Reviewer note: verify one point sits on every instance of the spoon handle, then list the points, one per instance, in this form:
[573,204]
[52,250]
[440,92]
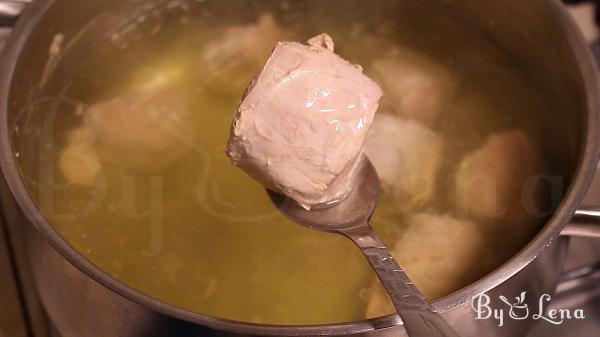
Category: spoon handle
[420,320]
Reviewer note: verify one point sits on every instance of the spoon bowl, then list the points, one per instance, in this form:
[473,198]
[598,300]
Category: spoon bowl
[355,209]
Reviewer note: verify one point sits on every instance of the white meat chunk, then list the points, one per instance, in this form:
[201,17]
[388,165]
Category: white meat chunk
[492,181]
[414,85]
[145,129]
[234,58]
[407,156]
[78,162]
[302,123]
[441,254]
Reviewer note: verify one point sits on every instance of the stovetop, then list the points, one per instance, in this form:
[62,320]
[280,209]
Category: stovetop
[579,287]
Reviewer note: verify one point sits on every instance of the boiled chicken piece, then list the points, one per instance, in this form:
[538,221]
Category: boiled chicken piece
[415,86]
[145,129]
[407,156]
[440,254]
[302,123]
[499,185]
[78,161]
[492,181]
[237,55]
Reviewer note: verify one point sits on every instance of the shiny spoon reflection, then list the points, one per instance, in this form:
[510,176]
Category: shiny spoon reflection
[350,218]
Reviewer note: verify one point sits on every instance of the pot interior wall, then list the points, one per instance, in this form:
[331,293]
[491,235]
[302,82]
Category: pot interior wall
[525,31]
[538,43]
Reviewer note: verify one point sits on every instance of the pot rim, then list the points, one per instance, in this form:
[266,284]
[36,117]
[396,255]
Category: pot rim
[574,196]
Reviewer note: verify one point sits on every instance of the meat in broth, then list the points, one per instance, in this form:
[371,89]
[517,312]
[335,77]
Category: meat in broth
[141,185]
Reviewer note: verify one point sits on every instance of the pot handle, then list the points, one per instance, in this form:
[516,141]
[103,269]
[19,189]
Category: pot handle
[10,10]
[585,223]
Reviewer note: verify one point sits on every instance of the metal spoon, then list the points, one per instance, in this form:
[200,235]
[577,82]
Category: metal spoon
[351,218]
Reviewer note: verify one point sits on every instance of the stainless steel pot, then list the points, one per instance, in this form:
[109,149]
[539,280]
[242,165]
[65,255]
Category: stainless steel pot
[82,300]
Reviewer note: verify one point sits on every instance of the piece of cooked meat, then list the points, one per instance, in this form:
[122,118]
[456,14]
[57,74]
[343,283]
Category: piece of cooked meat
[232,59]
[78,162]
[302,123]
[415,86]
[441,254]
[407,156]
[490,181]
[499,185]
[144,130]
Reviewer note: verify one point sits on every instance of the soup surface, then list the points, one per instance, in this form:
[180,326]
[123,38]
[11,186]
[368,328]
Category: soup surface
[135,176]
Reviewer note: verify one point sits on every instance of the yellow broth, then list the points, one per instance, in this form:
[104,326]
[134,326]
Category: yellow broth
[203,236]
